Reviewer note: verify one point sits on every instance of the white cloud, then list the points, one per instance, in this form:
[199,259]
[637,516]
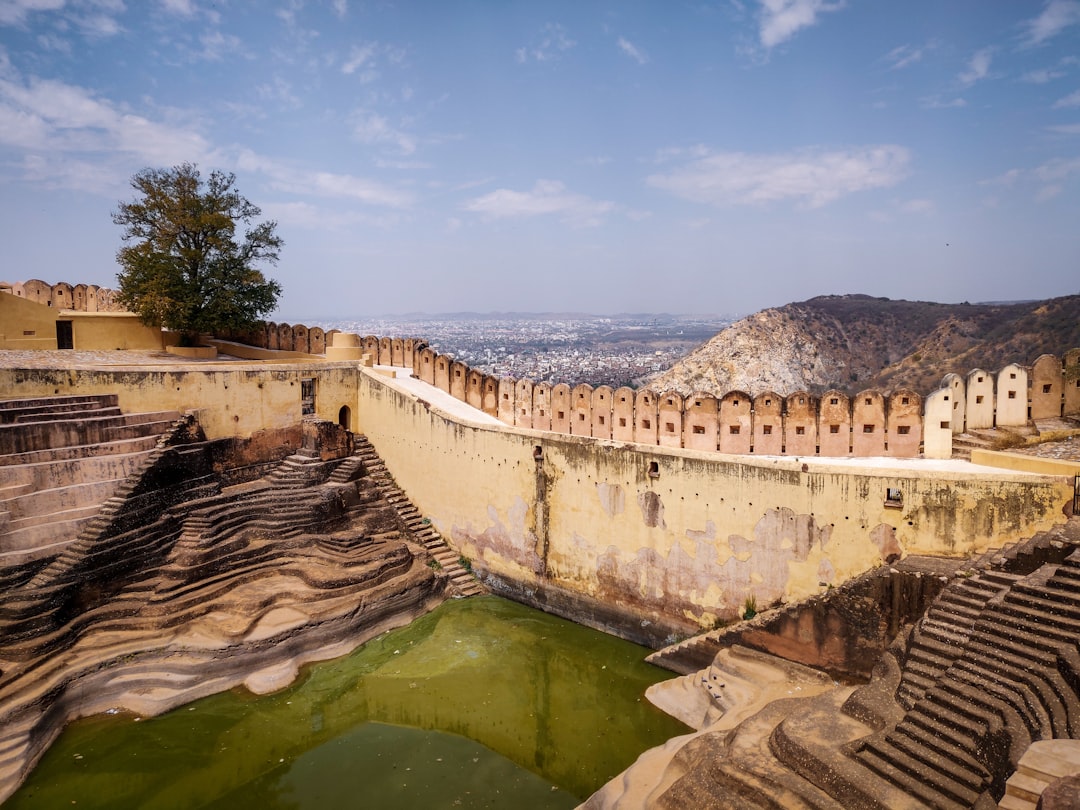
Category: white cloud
[361,56]
[938,103]
[634,52]
[341,7]
[546,197]
[1066,129]
[318,218]
[15,12]
[1055,18]
[1041,76]
[217,46]
[780,20]
[813,177]
[978,68]
[919,206]
[323,184]
[553,43]
[181,8]
[903,56]
[1071,100]
[372,128]
[70,120]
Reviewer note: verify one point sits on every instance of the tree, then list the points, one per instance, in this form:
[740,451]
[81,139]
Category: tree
[183,268]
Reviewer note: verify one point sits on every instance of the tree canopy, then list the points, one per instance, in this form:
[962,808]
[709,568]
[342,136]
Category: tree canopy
[183,266]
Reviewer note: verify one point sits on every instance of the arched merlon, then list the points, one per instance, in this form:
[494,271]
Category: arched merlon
[679,537]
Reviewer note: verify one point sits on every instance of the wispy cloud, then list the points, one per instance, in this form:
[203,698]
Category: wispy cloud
[919,206]
[633,51]
[1042,76]
[978,67]
[324,184]
[904,56]
[372,128]
[68,123]
[939,103]
[15,12]
[1055,18]
[811,177]
[552,43]
[362,58]
[181,8]
[1065,129]
[780,20]
[547,197]
[1071,100]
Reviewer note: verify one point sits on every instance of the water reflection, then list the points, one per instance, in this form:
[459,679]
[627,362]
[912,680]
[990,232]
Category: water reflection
[480,701]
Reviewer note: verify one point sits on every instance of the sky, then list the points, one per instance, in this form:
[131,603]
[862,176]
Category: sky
[604,156]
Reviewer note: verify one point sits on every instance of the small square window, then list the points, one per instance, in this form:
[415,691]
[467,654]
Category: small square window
[978,379]
[800,431]
[622,422]
[867,428]
[581,417]
[766,430]
[834,428]
[670,426]
[733,430]
[903,430]
[646,424]
[903,400]
[1012,375]
[1012,395]
[699,429]
[768,402]
[945,425]
[868,400]
[562,415]
[601,420]
[834,401]
[978,399]
[541,412]
[1046,388]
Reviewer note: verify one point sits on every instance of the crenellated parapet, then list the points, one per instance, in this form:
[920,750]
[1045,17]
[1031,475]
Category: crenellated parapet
[76,298]
[871,423]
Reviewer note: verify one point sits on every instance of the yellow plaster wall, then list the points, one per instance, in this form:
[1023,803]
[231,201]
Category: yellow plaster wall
[1020,461]
[18,316]
[698,538]
[94,331]
[233,399]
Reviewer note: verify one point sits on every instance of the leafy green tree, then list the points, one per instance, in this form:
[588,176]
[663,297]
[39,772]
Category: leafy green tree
[183,265]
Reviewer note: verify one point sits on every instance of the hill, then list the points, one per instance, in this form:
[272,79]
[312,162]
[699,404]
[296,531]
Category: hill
[853,342]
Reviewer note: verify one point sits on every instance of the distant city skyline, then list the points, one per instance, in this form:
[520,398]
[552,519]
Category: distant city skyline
[608,157]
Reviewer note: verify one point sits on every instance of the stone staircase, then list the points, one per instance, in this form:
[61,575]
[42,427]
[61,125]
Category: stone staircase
[60,459]
[992,669]
[419,527]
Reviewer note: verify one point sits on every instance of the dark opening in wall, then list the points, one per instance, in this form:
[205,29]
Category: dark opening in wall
[562,415]
[834,428]
[699,429]
[1046,389]
[945,425]
[903,400]
[733,430]
[1012,395]
[766,430]
[894,498]
[538,453]
[903,430]
[867,428]
[646,424]
[800,430]
[834,401]
[654,469]
[670,426]
[622,422]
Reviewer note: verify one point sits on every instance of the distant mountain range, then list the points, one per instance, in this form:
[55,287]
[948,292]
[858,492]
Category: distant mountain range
[853,342]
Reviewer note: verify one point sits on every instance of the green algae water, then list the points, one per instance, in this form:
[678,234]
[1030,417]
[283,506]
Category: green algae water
[483,703]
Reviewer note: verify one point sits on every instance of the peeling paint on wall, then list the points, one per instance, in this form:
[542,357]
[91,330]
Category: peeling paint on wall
[652,509]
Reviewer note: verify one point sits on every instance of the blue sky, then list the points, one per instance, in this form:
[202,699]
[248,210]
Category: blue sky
[709,157]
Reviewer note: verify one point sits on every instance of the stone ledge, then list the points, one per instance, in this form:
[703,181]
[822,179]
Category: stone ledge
[195,352]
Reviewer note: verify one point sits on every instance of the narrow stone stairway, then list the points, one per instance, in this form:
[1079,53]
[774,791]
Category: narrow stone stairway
[462,580]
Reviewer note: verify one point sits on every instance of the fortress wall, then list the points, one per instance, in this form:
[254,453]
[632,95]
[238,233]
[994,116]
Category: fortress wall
[237,400]
[1071,380]
[672,539]
[77,298]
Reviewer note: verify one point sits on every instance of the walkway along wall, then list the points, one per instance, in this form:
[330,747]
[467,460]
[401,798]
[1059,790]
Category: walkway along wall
[649,542]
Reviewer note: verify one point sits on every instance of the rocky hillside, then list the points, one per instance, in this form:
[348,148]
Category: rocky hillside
[852,342]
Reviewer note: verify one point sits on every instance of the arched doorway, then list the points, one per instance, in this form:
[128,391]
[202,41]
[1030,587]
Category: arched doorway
[344,417]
